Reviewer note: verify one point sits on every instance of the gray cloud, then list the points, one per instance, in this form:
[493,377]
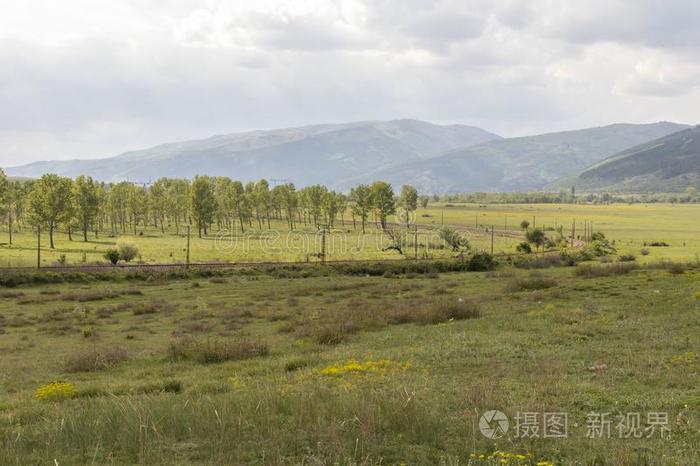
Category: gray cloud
[77,80]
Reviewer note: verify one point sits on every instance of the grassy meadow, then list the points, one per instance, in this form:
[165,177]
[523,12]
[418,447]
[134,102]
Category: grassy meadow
[308,366]
[630,226]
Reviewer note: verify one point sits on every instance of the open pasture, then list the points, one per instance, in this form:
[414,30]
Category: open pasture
[630,226]
[312,367]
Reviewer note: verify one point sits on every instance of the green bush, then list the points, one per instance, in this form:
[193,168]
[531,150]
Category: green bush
[112,255]
[524,248]
[127,250]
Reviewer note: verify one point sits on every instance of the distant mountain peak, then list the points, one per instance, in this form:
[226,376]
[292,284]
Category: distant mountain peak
[320,153]
[669,163]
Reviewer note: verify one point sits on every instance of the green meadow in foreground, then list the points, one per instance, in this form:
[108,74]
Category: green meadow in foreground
[634,228]
[310,366]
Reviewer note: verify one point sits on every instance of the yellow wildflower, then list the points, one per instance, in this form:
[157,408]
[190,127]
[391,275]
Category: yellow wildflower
[56,391]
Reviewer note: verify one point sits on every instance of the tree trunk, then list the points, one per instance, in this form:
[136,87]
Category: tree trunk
[85,229]
[70,233]
[51,235]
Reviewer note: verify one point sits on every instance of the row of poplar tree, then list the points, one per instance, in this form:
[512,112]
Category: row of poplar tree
[90,207]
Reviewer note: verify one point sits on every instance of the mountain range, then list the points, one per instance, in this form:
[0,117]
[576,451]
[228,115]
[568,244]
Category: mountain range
[670,163]
[307,155]
[434,158]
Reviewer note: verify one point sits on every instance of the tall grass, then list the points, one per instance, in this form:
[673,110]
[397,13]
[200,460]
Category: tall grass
[266,425]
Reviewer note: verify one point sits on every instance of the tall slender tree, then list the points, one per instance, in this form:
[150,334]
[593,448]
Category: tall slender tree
[202,203]
[408,200]
[361,197]
[86,203]
[383,201]
[50,203]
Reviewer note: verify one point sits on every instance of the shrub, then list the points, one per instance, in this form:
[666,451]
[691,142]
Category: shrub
[95,360]
[676,269]
[152,307]
[480,262]
[627,258]
[127,250]
[524,248]
[459,309]
[435,312]
[536,236]
[659,244]
[644,252]
[112,255]
[454,239]
[215,350]
[334,333]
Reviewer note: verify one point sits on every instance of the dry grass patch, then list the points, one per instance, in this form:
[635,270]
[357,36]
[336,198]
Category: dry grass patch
[154,306]
[595,271]
[215,350]
[95,359]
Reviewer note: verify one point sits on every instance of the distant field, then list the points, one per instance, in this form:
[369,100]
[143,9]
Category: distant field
[629,225]
[250,369]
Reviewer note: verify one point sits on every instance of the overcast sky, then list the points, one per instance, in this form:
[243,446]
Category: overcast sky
[93,78]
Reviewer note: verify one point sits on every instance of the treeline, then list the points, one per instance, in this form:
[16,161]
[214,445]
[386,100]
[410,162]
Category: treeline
[90,207]
[569,197]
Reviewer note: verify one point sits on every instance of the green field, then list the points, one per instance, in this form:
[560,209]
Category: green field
[629,225]
[335,369]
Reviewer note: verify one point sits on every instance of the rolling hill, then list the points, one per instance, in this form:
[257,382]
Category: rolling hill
[306,155]
[434,158]
[520,164]
[667,164]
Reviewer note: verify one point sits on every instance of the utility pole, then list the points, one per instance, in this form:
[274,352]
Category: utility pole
[188,248]
[533,221]
[415,242]
[38,247]
[323,245]
[492,240]
[573,233]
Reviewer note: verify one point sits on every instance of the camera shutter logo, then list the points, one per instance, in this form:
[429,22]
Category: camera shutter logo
[493,424]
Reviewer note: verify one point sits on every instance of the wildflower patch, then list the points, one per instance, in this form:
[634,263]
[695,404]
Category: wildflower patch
[368,367]
[56,391]
[505,458]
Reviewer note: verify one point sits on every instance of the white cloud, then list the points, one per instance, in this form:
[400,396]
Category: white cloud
[86,78]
